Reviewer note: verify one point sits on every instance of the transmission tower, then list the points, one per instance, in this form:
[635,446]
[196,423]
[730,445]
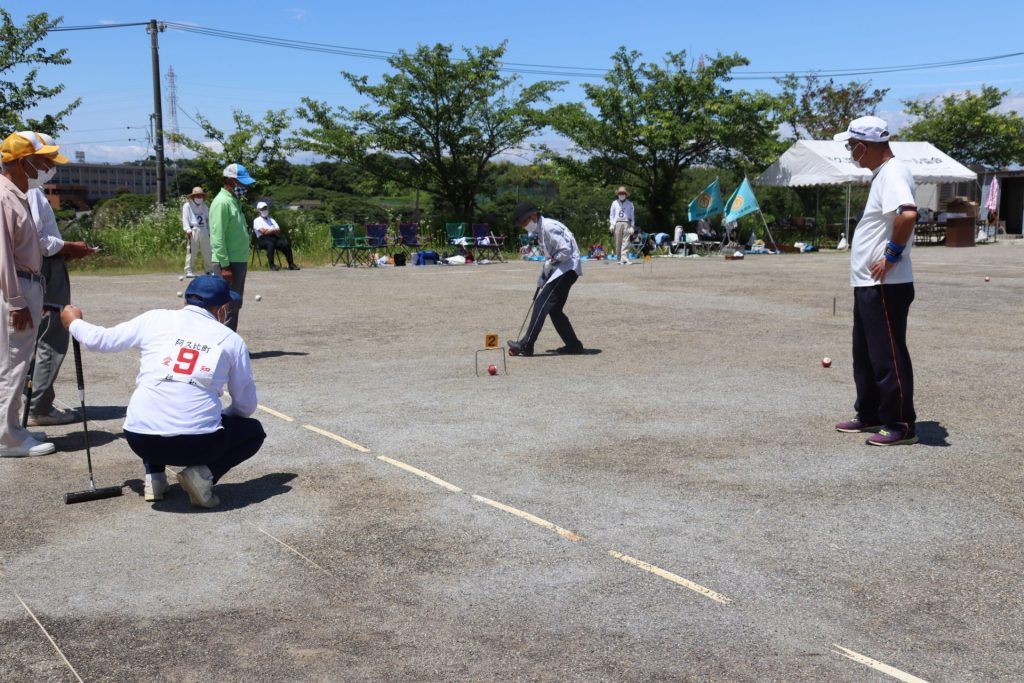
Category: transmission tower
[172,107]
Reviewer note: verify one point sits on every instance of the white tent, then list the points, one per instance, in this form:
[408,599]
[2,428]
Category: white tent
[827,162]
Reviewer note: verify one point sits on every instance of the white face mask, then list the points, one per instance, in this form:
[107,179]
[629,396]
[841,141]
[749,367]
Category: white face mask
[622,197]
[531,226]
[198,201]
[856,159]
[264,212]
[42,177]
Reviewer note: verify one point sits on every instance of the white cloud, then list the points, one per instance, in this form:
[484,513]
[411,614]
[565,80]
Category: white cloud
[297,13]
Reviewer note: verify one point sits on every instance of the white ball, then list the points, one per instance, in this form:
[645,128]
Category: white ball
[180,278]
[177,294]
[259,298]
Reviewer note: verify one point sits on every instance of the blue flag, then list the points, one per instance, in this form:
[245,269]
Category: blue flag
[741,202]
[708,203]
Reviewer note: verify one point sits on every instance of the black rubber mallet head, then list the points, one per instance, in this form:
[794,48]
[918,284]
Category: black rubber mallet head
[92,493]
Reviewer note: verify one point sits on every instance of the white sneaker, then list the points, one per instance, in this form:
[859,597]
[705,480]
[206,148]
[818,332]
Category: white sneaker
[198,488]
[155,487]
[56,416]
[28,447]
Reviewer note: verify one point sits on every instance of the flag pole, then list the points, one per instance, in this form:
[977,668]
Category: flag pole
[767,229]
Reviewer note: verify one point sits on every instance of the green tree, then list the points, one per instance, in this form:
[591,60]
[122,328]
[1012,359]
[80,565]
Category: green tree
[818,110]
[260,146]
[19,53]
[648,122]
[969,127]
[449,116]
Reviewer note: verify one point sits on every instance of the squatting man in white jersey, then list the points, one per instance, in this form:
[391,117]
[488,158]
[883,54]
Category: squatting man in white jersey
[187,358]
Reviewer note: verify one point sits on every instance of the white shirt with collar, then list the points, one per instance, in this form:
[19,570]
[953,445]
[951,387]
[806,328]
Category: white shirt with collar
[50,240]
[187,359]
[559,245]
[621,211]
[260,225]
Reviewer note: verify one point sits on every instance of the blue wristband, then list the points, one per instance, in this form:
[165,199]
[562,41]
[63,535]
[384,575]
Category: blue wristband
[898,248]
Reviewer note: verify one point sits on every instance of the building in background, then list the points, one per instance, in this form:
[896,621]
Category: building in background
[81,184]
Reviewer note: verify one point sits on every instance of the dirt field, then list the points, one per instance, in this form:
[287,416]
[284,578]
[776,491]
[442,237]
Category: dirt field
[672,507]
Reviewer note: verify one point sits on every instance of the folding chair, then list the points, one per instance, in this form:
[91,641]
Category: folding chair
[455,233]
[345,243]
[638,245]
[377,236]
[255,250]
[409,237]
[486,240]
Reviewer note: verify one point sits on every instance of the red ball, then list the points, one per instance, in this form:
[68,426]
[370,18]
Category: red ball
[826,362]
[492,369]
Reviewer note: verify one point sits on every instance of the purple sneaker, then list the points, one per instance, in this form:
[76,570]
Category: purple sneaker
[893,436]
[857,425]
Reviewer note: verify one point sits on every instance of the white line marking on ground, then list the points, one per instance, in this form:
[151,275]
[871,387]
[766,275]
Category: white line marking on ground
[674,578]
[339,439]
[420,473]
[564,533]
[49,637]
[877,665]
[275,413]
[267,533]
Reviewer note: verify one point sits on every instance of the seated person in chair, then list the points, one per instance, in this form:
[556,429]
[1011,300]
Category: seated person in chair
[268,234]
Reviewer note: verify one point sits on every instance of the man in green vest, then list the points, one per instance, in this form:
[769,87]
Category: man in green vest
[229,235]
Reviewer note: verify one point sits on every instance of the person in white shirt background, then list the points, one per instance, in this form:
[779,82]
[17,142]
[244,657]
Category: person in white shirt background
[195,221]
[268,234]
[187,358]
[52,339]
[620,224]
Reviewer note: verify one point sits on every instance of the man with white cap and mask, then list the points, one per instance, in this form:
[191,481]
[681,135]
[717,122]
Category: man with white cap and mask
[883,283]
[268,234]
[52,338]
[21,289]
[195,221]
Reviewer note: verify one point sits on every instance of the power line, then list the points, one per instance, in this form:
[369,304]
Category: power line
[585,73]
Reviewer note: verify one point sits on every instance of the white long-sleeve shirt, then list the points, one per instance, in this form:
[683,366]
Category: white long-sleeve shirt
[621,211]
[195,216]
[50,241]
[186,360]
[558,244]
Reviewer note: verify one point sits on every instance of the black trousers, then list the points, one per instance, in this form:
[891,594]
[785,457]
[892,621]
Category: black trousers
[271,242]
[239,440]
[549,303]
[881,362]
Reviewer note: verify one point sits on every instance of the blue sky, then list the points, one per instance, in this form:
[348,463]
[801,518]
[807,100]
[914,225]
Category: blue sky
[111,68]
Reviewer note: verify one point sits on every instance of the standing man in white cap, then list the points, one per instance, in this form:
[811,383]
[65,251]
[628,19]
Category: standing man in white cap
[52,338]
[195,221]
[268,234]
[883,283]
[620,224]
[229,235]
[21,289]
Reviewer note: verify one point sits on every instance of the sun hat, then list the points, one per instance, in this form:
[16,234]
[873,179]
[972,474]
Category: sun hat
[238,172]
[622,190]
[197,191]
[209,291]
[24,144]
[522,210]
[865,129]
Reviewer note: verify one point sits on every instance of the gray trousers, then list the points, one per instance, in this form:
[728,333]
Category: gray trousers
[621,234]
[52,340]
[15,354]
[238,271]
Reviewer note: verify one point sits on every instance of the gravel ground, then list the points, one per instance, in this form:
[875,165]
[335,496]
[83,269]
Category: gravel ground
[695,437]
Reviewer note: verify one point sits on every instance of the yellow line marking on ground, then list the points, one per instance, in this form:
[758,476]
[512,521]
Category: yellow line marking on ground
[674,578]
[267,533]
[877,665]
[275,413]
[49,637]
[420,473]
[339,439]
[564,533]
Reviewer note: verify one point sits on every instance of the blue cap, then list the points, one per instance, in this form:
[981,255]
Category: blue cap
[210,291]
[238,172]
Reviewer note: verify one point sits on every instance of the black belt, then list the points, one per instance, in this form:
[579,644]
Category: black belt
[34,277]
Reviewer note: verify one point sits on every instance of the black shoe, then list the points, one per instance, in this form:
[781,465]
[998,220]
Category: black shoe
[292,266]
[273,267]
[517,349]
[570,350]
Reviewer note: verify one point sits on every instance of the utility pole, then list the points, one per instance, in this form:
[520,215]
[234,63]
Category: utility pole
[153,29]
